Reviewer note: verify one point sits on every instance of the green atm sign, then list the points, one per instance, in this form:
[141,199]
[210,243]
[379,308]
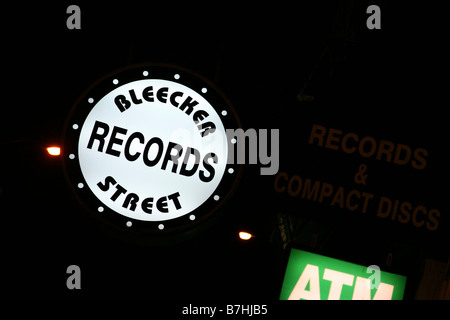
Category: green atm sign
[311,276]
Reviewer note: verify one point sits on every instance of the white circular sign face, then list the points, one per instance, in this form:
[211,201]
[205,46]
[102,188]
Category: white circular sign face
[147,147]
[163,165]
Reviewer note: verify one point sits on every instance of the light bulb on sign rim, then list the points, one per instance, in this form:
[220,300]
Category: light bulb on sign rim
[54,151]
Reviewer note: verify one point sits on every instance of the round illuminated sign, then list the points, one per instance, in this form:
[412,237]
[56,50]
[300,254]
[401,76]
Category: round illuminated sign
[146,149]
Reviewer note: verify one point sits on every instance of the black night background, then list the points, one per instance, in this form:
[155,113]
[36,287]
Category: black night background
[285,67]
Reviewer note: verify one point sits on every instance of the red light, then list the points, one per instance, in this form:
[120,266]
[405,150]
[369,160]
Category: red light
[245,235]
[54,151]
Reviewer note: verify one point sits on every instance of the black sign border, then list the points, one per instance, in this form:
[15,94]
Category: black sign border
[124,225]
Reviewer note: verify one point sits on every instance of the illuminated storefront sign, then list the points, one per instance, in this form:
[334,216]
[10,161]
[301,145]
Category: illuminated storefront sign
[311,276]
[146,149]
